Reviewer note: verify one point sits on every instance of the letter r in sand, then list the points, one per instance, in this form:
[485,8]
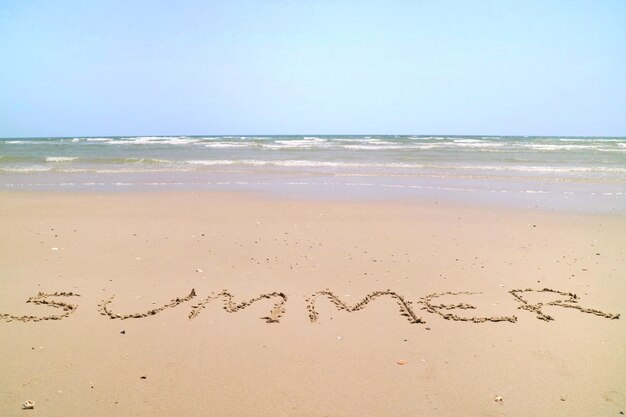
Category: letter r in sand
[570,301]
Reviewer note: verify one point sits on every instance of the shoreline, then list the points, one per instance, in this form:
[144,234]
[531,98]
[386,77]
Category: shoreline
[553,173]
[592,203]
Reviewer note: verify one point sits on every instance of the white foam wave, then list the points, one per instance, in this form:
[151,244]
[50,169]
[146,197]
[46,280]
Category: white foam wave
[472,143]
[546,147]
[426,146]
[236,137]
[365,140]
[374,147]
[212,162]
[427,137]
[27,142]
[152,140]
[26,170]
[593,140]
[121,170]
[525,168]
[299,143]
[342,164]
[611,150]
[61,158]
[301,163]
[226,145]
[147,160]
[468,141]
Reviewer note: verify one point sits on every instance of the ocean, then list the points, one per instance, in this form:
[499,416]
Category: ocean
[574,173]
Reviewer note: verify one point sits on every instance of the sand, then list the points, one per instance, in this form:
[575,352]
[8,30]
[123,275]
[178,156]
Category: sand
[228,304]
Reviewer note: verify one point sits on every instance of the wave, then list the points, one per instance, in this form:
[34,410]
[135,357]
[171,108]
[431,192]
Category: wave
[610,140]
[427,138]
[139,140]
[28,142]
[123,170]
[611,150]
[374,147]
[226,145]
[61,158]
[25,170]
[364,140]
[357,143]
[119,164]
[302,163]
[468,141]
[538,168]
[140,161]
[146,140]
[300,142]
[546,147]
[237,137]
[342,164]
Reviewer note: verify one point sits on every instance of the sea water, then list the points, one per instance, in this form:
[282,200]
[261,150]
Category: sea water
[554,172]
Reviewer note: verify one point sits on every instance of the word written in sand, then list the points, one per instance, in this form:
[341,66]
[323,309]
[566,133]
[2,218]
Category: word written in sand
[406,307]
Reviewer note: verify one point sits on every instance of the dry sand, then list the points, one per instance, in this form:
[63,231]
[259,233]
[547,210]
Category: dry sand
[269,358]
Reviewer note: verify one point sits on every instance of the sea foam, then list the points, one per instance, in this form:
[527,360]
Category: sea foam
[61,158]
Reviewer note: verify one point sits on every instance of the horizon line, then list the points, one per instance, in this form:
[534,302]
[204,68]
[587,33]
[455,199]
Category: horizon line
[312,135]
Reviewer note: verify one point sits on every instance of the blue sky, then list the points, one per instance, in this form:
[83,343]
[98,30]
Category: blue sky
[91,68]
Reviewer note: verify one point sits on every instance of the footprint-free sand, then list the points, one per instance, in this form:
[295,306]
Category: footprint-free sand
[235,304]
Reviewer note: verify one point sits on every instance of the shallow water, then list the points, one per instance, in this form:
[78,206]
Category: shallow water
[556,172]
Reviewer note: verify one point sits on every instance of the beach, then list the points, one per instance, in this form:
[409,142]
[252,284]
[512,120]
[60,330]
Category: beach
[313,209]
[437,329]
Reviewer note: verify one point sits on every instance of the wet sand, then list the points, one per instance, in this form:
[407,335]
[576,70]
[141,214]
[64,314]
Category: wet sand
[198,304]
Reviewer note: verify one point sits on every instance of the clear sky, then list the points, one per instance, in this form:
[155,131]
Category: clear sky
[90,68]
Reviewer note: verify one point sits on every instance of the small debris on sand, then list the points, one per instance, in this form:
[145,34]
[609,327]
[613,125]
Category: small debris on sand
[402,362]
[28,405]
[498,399]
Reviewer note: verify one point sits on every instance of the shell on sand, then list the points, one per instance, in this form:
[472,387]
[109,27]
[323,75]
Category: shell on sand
[28,405]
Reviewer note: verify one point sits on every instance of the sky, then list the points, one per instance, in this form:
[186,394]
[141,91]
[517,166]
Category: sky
[95,68]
